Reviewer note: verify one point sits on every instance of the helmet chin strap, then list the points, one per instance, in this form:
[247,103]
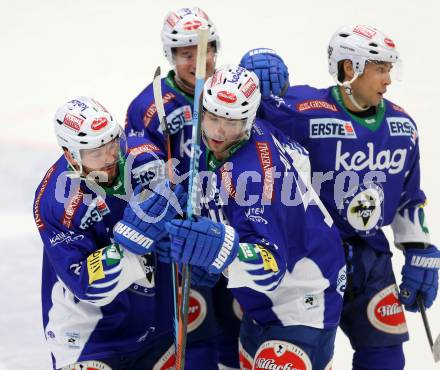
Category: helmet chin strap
[349,91]
[76,156]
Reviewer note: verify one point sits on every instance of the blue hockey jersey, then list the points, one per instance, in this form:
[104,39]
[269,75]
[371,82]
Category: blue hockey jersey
[98,299]
[366,170]
[142,120]
[290,267]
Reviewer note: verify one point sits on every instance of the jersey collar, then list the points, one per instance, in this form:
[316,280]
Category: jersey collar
[372,123]
[212,163]
[171,83]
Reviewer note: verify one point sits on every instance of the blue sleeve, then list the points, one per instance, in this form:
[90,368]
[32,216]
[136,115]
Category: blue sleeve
[261,261]
[412,194]
[281,113]
[94,271]
[142,119]
[409,224]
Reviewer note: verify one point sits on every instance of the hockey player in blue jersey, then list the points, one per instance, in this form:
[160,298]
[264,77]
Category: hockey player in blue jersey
[267,231]
[213,312]
[364,152]
[106,299]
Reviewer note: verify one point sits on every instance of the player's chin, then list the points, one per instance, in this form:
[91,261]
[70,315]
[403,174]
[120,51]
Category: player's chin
[106,175]
[216,145]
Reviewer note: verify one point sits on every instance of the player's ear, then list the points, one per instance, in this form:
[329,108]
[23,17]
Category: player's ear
[348,69]
[69,157]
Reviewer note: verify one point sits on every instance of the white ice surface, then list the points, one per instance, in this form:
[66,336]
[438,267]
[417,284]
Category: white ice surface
[53,50]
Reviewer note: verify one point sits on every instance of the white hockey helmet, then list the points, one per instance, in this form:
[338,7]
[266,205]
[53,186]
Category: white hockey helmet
[360,44]
[83,123]
[233,92]
[180,29]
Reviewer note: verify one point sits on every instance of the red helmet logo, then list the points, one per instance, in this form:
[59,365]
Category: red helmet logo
[227,97]
[389,43]
[73,122]
[99,123]
[192,25]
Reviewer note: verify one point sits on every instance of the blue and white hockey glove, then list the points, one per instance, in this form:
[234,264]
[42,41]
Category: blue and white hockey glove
[270,69]
[419,276]
[143,224]
[201,277]
[203,243]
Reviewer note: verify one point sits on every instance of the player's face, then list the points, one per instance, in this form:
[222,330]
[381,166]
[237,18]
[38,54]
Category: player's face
[370,87]
[103,161]
[185,59]
[221,133]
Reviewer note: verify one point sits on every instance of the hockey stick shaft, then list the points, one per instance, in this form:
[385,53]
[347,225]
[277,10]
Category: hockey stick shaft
[425,319]
[434,346]
[158,101]
[202,46]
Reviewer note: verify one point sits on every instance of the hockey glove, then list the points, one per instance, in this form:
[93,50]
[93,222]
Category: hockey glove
[163,250]
[143,224]
[203,243]
[419,276]
[270,69]
[201,277]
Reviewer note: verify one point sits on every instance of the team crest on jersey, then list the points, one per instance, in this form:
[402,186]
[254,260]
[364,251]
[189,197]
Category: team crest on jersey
[178,118]
[246,360]
[331,127]
[385,311]
[197,310]
[402,126]
[363,210]
[277,354]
